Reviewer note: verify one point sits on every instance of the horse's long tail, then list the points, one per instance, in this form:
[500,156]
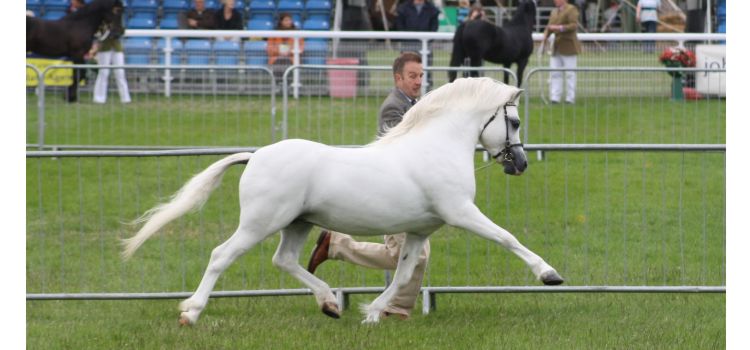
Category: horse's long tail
[457,55]
[190,197]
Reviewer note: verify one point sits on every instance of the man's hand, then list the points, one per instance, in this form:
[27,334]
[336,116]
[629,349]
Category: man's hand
[192,23]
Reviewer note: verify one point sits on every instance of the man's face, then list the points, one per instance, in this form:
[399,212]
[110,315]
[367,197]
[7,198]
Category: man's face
[410,82]
[559,3]
[200,5]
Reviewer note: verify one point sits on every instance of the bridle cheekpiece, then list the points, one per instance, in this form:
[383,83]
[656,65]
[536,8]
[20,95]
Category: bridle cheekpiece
[505,152]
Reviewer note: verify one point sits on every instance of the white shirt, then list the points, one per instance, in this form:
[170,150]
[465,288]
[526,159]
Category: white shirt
[648,10]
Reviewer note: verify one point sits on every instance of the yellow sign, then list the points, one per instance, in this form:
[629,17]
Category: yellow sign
[53,77]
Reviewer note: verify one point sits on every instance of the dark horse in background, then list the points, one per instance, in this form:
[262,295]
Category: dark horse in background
[511,43]
[72,35]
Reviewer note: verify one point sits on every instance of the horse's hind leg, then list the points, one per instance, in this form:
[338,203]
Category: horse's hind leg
[286,258]
[221,257]
[471,219]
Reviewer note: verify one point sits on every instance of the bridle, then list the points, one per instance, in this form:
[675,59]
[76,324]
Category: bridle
[505,152]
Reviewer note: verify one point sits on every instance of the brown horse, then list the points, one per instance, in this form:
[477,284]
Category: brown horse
[72,35]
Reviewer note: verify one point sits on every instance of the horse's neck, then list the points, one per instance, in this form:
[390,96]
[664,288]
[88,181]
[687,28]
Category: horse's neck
[447,134]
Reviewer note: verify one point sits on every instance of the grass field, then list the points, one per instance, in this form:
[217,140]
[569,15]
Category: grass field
[601,218]
[508,321]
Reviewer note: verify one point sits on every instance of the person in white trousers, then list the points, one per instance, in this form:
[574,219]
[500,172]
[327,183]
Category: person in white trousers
[109,52]
[564,23]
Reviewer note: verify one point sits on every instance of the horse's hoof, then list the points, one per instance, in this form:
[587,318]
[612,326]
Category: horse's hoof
[551,278]
[331,309]
[184,322]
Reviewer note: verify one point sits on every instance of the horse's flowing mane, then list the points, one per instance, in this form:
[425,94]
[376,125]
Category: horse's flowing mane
[462,94]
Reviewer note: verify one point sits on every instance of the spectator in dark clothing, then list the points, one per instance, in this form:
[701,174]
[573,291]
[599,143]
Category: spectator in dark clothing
[418,16]
[228,17]
[198,17]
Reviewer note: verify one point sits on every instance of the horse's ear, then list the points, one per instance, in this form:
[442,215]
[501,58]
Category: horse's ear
[517,95]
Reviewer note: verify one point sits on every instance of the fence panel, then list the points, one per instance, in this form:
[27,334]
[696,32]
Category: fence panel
[613,216]
[625,105]
[201,106]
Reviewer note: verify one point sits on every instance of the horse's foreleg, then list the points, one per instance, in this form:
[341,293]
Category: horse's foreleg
[471,219]
[476,61]
[221,257]
[286,258]
[72,95]
[407,261]
[521,65]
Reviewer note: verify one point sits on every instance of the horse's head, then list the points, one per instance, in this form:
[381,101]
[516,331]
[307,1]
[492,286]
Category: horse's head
[527,11]
[112,18]
[501,136]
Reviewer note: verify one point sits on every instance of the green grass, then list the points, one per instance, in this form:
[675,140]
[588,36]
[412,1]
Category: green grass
[601,218]
[513,321]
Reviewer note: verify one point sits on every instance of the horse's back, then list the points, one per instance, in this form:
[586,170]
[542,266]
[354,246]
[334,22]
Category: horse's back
[355,190]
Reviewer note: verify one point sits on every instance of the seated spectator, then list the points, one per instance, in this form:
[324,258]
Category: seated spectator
[280,54]
[228,18]
[477,12]
[197,17]
[74,6]
[462,12]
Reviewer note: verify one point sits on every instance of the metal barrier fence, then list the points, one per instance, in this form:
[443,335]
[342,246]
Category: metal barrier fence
[171,107]
[626,105]
[637,108]
[610,218]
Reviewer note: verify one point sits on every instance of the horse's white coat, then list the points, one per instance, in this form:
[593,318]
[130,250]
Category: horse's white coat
[416,178]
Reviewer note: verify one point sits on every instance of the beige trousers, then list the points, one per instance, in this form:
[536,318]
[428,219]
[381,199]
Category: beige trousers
[385,257]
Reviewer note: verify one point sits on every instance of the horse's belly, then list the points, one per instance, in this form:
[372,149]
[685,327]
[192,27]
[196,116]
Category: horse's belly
[369,223]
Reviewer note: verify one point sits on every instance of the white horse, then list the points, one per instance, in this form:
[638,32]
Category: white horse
[416,178]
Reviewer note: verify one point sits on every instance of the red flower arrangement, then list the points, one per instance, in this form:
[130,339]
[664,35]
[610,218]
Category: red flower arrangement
[677,57]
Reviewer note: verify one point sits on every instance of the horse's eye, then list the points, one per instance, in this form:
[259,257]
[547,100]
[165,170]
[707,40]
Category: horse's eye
[515,123]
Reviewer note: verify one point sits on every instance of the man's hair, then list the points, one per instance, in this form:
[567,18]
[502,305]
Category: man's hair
[401,60]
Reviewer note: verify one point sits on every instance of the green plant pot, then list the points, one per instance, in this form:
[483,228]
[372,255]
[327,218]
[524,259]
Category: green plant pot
[677,94]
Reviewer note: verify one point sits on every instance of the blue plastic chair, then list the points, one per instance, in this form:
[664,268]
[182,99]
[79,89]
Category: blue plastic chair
[291,6]
[261,17]
[227,52]
[170,7]
[255,53]
[262,6]
[316,51]
[177,49]
[144,14]
[53,15]
[141,23]
[56,5]
[198,51]
[169,23]
[138,50]
[141,7]
[212,4]
[316,24]
[35,6]
[262,24]
[318,7]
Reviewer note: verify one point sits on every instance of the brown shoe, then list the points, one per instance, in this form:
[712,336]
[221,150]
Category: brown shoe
[320,253]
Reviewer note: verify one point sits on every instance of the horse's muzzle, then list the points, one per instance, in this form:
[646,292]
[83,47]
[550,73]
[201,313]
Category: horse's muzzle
[514,161]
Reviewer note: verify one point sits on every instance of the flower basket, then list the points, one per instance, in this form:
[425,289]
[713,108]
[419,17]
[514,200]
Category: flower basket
[677,57]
